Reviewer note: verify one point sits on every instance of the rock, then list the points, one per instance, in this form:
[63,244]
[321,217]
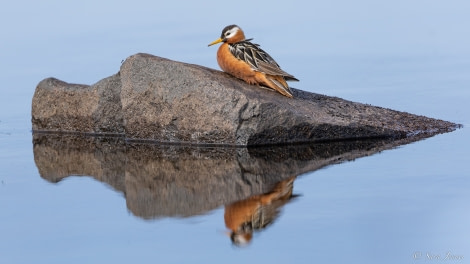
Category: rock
[59,106]
[153,98]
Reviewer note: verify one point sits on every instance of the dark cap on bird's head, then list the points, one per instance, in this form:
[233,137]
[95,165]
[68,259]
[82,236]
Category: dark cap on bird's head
[227,28]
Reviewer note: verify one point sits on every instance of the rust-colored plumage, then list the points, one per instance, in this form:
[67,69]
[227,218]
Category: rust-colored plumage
[245,60]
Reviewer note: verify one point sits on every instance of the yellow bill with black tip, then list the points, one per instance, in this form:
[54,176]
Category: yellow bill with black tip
[216,41]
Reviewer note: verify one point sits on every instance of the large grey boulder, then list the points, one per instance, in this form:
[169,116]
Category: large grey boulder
[153,98]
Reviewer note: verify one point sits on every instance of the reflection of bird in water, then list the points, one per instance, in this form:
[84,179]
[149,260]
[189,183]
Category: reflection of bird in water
[247,61]
[257,212]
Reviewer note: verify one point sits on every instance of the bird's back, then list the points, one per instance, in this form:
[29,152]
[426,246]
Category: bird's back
[258,59]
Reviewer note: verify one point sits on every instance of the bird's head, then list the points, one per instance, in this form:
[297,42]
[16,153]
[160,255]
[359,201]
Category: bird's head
[230,34]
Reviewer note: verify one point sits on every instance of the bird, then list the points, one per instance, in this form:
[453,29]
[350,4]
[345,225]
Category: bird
[245,60]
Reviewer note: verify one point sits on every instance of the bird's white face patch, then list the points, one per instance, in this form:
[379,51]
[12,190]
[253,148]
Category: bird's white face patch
[230,33]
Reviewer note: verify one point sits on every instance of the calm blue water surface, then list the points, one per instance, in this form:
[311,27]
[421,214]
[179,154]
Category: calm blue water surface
[406,205]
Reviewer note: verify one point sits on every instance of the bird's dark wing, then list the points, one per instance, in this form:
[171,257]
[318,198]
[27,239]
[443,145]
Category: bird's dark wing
[258,59]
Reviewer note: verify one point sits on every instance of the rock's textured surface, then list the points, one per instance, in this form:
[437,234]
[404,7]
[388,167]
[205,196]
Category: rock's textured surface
[59,106]
[152,98]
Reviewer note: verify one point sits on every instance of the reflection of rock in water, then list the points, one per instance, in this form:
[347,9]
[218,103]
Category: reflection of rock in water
[175,181]
[169,181]
[256,212]
[58,157]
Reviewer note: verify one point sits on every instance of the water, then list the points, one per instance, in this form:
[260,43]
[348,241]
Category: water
[403,205]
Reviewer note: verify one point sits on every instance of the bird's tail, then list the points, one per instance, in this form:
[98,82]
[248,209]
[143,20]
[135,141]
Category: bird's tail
[279,84]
